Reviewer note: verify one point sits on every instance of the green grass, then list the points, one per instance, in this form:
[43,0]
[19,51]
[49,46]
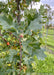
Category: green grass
[49,36]
[50,31]
[46,67]
[49,39]
[50,48]
[50,44]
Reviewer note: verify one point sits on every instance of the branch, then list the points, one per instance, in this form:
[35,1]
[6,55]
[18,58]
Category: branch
[18,19]
[18,8]
[20,53]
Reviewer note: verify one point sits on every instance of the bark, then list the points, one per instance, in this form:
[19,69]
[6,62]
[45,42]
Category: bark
[18,8]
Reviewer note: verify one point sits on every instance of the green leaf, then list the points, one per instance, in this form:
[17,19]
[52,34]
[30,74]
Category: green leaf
[12,53]
[7,23]
[3,22]
[28,1]
[10,19]
[40,54]
[7,19]
[12,29]
[35,25]
[2,73]
[26,60]
[37,0]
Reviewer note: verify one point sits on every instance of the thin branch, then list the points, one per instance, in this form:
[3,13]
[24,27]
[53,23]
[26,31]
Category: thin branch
[18,18]
[18,8]
[20,53]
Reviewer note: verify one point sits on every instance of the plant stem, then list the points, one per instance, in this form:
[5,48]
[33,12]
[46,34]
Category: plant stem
[18,19]
[18,8]
[20,55]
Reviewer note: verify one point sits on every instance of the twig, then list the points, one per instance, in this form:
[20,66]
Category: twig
[20,53]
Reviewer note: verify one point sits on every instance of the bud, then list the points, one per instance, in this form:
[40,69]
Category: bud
[9,65]
[21,35]
[8,43]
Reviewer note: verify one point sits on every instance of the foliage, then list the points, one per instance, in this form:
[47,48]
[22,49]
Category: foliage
[3,8]
[19,43]
[45,11]
[44,67]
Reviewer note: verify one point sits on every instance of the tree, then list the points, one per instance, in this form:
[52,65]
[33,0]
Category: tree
[47,17]
[20,40]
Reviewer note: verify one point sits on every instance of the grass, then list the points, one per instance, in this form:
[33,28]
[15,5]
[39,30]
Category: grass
[50,48]
[48,36]
[49,39]
[46,67]
[50,31]
[50,44]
